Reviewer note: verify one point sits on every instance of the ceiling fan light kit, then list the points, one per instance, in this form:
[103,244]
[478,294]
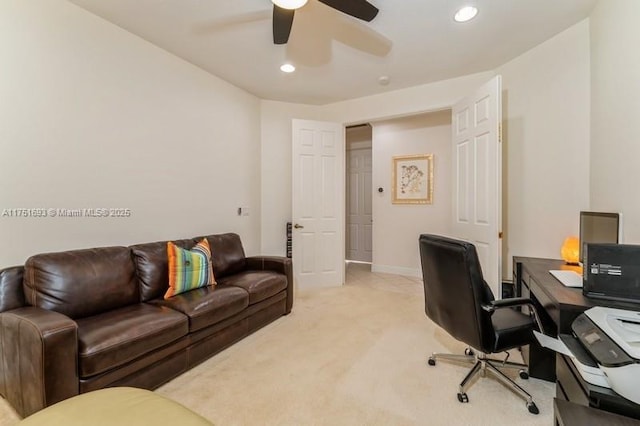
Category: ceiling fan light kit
[290,4]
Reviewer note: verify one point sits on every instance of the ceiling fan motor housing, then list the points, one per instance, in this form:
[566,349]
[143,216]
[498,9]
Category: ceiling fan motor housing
[284,10]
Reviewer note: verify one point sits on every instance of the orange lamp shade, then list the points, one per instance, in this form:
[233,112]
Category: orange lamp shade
[570,250]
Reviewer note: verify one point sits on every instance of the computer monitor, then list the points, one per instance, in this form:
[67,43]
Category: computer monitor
[596,227]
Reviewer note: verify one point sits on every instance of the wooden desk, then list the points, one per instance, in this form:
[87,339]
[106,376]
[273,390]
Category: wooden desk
[562,304]
[557,307]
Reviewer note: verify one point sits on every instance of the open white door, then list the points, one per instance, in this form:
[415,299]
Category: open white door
[318,203]
[477,165]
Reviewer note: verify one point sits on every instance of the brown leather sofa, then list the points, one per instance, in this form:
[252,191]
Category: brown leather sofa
[76,321]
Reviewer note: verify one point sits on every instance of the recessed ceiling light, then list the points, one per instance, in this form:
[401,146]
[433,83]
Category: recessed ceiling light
[289,4]
[465,14]
[287,68]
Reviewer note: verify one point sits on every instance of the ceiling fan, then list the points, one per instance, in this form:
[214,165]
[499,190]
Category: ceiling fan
[283,11]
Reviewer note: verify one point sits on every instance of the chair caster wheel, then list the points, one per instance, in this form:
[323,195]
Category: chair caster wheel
[462,397]
[531,406]
[431,361]
[523,375]
[469,352]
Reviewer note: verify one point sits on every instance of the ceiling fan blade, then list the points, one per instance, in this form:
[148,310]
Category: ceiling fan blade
[282,22]
[360,9]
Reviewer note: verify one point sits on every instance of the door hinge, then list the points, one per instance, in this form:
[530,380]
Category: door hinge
[500,235]
[499,132]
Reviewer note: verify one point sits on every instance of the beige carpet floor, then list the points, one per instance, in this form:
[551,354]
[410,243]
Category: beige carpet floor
[354,355]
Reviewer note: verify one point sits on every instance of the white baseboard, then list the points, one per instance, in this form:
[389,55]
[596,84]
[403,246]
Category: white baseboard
[409,272]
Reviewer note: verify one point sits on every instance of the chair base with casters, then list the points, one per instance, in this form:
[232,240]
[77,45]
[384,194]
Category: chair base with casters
[482,364]
[459,300]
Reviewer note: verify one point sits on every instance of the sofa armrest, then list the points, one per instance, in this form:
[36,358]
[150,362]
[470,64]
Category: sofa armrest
[11,292]
[39,351]
[279,264]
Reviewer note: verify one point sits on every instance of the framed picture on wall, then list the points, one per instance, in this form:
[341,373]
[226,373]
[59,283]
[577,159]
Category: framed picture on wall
[412,179]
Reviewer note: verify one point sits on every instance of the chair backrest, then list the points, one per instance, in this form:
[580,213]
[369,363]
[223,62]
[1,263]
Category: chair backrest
[454,290]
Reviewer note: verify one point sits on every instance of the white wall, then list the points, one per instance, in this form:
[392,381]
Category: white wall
[615,109]
[92,116]
[546,98]
[400,103]
[276,161]
[396,227]
[276,137]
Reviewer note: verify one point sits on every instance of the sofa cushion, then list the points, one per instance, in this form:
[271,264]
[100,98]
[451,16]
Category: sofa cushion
[81,283]
[259,284]
[208,305]
[114,338]
[227,254]
[189,269]
[152,266]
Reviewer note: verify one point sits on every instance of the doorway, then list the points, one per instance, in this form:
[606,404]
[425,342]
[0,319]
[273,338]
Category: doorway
[359,192]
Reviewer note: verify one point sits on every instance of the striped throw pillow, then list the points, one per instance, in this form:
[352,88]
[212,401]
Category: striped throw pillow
[189,269]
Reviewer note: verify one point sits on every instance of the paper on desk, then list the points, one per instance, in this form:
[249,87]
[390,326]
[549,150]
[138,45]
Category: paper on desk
[553,344]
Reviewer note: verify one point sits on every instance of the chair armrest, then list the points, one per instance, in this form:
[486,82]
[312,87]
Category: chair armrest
[279,264]
[512,303]
[39,350]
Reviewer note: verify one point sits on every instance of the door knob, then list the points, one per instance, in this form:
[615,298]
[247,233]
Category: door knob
[298,226]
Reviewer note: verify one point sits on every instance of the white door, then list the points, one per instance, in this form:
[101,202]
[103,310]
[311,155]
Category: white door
[359,205]
[477,157]
[318,203]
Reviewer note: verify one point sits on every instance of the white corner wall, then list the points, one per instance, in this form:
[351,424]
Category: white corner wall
[615,110]
[396,227]
[546,115]
[94,117]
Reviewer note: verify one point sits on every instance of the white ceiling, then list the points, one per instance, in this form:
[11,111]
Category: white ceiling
[339,57]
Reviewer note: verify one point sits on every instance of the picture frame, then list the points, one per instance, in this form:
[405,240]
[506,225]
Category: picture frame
[412,179]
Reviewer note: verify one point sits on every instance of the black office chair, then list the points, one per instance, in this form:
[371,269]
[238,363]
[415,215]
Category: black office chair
[458,299]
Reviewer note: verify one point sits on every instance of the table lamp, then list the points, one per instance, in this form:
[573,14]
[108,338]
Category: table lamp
[570,250]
